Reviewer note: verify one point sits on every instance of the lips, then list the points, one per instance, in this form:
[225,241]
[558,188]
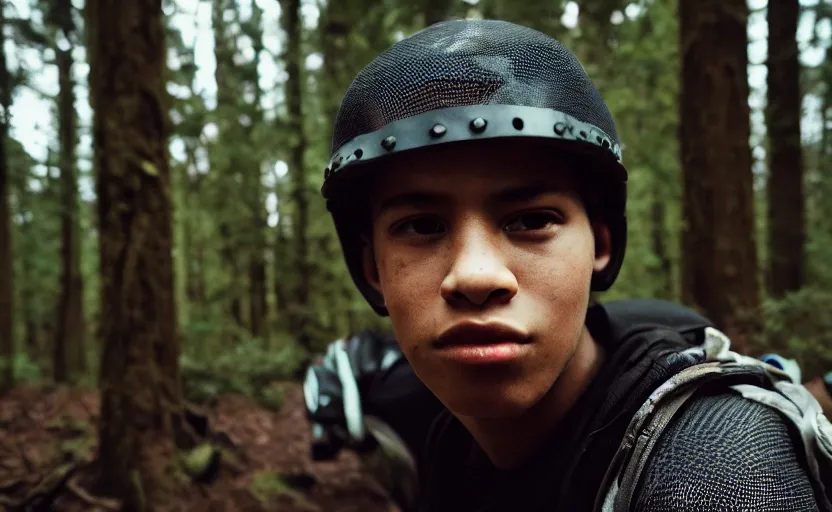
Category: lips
[475,333]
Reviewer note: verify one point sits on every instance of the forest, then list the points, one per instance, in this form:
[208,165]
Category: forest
[168,267]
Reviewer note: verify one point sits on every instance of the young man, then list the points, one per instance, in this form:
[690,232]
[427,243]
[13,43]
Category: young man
[477,188]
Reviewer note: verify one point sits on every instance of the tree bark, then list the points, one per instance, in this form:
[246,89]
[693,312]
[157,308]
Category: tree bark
[255,194]
[337,22]
[786,199]
[69,353]
[6,273]
[227,161]
[180,243]
[229,258]
[141,404]
[300,311]
[658,243]
[720,268]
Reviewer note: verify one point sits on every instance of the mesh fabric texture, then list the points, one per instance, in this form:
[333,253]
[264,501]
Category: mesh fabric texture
[729,454]
[469,62]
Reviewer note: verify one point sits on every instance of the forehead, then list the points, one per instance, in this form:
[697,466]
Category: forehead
[476,168]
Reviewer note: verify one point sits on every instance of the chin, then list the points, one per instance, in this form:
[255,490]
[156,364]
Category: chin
[491,404]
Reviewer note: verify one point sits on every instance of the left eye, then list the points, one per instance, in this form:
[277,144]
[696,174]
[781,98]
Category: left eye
[532,221]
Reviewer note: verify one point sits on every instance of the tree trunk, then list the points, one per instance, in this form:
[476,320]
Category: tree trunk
[300,311]
[229,258]
[255,193]
[786,200]
[141,404]
[228,162]
[180,244]
[6,274]
[281,248]
[195,278]
[658,243]
[720,269]
[337,23]
[69,353]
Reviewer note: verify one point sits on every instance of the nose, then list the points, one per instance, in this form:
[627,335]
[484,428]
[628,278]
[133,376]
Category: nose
[479,275]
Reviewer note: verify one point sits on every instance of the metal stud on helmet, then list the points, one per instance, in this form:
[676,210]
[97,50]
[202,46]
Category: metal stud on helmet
[467,80]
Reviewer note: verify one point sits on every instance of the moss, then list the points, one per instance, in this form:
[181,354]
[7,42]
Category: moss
[268,487]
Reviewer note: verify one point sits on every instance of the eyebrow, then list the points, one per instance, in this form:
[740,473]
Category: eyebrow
[508,195]
[526,193]
[412,199]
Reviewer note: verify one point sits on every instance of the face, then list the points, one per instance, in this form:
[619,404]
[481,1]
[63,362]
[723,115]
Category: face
[484,257]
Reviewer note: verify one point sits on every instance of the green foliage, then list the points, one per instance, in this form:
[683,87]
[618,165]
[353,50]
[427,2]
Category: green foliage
[639,82]
[248,368]
[26,371]
[799,323]
[268,487]
[76,438]
[196,462]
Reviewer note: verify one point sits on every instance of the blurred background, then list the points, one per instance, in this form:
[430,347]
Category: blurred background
[725,136]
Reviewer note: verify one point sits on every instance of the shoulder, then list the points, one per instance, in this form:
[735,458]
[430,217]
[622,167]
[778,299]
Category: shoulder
[727,453]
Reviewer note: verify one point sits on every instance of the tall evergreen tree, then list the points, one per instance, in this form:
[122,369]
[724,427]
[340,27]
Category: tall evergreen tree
[786,199]
[719,253]
[141,400]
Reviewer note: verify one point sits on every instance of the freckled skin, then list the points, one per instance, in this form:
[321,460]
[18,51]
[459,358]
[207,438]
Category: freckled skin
[537,280]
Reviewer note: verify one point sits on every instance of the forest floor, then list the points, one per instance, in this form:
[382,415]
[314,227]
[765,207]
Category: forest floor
[42,429]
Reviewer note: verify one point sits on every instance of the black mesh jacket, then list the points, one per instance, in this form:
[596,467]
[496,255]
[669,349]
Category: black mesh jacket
[722,453]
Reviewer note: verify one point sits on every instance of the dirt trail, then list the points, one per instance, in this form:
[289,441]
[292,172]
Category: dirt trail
[39,427]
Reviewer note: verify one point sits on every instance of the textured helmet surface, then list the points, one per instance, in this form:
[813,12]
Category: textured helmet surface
[466,80]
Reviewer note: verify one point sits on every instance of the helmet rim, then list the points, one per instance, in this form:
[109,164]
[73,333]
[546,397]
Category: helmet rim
[469,123]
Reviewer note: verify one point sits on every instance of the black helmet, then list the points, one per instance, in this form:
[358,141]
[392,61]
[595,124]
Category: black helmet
[467,80]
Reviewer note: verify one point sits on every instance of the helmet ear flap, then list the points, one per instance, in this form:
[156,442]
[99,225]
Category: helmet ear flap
[353,242]
[601,281]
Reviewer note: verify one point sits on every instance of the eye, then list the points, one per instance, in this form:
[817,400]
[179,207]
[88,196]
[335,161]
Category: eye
[533,221]
[420,226]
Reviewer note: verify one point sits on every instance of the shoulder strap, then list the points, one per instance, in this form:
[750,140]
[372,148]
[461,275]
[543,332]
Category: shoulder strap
[754,380]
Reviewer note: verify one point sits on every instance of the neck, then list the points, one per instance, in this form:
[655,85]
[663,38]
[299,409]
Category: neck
[509,442]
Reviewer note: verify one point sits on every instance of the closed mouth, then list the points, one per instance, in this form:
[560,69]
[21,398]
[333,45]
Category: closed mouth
[475,333]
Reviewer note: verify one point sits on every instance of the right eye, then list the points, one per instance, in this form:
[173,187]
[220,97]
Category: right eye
[419,226]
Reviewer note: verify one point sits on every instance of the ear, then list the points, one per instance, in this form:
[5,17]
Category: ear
[368,261]
[603,245]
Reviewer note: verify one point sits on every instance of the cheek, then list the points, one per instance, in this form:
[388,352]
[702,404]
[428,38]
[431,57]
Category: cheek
[559,282]
[410,287]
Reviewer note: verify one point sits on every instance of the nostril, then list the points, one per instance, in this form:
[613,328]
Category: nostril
[477,299]
[501,294]
[459,296]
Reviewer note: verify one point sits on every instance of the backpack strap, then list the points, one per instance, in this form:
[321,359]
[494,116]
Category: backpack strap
[754,380]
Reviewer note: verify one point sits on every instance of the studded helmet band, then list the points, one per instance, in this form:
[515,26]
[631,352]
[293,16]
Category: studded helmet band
[475,122]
